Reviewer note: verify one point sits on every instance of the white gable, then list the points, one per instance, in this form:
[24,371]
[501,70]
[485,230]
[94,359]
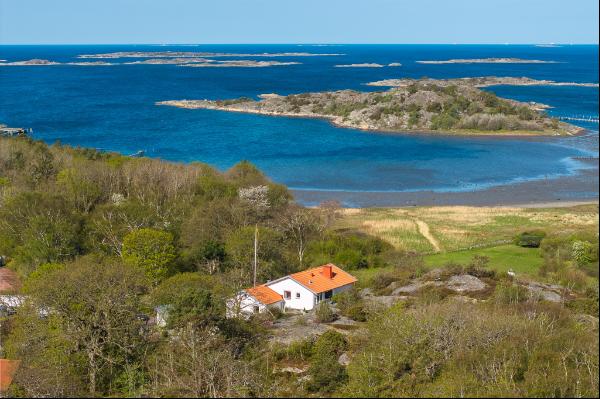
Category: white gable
[299,297]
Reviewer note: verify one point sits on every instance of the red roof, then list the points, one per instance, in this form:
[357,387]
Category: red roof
[324,278]
[7,372]
[264,294]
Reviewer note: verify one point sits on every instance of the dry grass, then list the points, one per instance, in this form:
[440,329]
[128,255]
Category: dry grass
[457,227]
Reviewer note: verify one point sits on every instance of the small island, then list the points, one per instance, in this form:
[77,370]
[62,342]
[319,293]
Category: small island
[494,60]
[417,106]
[238,64]
[32,62]
[363,65]
[483,81]
[187,54]
[41,62]
[368,65]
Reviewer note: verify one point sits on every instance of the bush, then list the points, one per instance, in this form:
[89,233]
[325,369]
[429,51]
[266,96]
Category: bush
[351,305]
[584,252]
[507,294]
[324,313]
[325,371]
[531,239]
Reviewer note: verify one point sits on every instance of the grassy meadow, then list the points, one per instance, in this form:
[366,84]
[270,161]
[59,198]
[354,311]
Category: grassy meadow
[463,232]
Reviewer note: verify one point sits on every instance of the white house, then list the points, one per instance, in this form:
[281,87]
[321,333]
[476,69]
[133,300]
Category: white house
[301,291]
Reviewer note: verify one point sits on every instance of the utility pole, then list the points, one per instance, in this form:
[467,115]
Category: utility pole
[255,251]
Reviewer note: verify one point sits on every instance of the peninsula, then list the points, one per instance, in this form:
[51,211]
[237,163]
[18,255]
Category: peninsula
[414,106]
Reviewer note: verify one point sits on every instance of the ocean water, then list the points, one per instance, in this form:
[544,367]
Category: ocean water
[113,108]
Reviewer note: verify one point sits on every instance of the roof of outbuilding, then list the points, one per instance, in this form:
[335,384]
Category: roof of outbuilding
[264,294]
[9,280]
[315,280]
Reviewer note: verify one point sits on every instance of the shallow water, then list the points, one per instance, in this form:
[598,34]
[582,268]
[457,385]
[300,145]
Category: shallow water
[112,108]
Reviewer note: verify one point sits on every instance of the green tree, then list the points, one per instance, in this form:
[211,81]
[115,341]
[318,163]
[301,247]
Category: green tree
[89,318]
[190,298]
[150,250]
[239,247]
[81,191]
[38,227]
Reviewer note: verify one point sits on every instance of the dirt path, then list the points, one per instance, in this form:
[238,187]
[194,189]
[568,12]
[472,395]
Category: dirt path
[424,230]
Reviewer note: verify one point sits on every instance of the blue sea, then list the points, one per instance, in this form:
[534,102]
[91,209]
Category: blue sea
[113,108]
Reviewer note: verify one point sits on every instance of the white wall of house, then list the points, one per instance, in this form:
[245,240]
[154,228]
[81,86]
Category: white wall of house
[245,303]
[301,298]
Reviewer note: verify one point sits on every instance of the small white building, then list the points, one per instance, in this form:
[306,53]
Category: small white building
[300,291]
[254,300]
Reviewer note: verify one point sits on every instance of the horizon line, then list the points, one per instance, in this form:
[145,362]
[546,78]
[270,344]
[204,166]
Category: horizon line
[306,43]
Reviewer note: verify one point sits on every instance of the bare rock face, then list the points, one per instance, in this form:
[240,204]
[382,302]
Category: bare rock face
[293,370]
[458,283]
[386,300]
[412,288]
[547,292]
[465,283]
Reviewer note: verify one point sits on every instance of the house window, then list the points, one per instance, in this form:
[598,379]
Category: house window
[328,294]
[255,309]
[297,295]
[287,294]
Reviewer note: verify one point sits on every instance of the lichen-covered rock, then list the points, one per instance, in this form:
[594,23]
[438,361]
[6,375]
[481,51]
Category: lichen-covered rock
[465,283]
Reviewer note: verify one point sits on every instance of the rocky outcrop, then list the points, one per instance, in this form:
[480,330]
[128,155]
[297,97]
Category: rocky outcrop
[546,292]
[465,283]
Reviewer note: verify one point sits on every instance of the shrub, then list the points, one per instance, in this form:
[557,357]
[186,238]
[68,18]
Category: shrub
[443,121]
[506,294]
[324,313]
[584,252]
[351,305]
[531,239]
[299,350]
[325,371]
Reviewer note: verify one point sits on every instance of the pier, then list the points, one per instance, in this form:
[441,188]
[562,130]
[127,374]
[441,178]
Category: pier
[6,131]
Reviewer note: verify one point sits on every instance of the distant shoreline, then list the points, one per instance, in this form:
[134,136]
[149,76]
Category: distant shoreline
[580,188]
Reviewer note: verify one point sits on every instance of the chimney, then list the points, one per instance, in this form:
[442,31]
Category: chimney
[328,271]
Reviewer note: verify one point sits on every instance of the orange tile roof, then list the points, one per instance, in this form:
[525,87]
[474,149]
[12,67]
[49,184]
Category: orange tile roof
[264,294]
[317,281]
[7,372]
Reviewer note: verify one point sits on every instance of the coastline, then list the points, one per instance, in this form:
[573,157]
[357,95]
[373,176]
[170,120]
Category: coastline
[570,190]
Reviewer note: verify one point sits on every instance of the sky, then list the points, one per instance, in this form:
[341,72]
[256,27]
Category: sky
[298,21]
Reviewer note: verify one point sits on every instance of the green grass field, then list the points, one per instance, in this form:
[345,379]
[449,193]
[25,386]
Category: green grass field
[523,261]
[456,228]
[501,258]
